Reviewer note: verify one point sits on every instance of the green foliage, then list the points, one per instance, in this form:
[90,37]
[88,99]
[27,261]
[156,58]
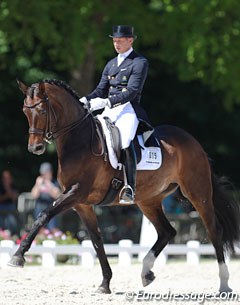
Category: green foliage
[62,32]
[200,40]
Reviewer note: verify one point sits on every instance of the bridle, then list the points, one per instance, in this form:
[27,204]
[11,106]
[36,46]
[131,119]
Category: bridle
[49,134]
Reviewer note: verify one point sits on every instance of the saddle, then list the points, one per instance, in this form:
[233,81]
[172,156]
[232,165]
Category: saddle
[112,141]
[110,138]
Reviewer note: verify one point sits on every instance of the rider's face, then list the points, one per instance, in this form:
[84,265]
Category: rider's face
[122,44]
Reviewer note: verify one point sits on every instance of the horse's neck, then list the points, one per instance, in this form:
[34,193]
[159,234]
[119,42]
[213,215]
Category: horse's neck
[68,111]
[75,140]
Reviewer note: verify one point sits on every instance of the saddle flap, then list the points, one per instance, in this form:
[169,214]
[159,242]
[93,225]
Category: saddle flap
[114,136]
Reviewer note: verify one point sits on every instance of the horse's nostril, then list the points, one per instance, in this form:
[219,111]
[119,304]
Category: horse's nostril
[36,148]
[39,147]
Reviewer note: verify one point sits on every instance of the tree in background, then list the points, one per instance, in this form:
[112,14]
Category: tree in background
[55,37]
[200,40]
[198,43]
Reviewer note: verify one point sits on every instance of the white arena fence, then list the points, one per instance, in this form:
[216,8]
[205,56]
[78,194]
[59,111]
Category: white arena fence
[125,250]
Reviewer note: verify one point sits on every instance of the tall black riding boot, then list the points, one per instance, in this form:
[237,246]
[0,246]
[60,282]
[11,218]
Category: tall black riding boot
[130,163]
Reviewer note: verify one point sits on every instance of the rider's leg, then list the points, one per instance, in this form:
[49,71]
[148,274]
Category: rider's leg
[127,123]
[130,163]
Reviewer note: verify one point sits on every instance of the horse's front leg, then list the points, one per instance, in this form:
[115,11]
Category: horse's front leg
[89,218]
[64,202]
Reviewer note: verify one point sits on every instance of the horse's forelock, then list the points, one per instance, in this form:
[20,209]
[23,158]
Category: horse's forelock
[33,89]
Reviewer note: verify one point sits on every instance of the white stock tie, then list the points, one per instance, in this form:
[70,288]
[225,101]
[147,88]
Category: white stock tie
[121,58]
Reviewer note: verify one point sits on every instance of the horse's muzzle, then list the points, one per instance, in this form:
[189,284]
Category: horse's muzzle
[37,149]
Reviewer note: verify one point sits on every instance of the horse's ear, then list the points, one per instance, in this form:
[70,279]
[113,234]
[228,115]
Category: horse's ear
[22,87]
[41,89]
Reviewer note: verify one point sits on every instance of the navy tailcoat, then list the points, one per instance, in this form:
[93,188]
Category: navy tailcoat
[124,83]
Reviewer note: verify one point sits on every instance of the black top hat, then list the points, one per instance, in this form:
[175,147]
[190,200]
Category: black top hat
[123,31]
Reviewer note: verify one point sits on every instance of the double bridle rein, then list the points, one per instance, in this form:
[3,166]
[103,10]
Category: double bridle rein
[50,135]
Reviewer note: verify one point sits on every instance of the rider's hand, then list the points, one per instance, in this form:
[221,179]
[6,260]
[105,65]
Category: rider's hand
[99,103]
[83,100]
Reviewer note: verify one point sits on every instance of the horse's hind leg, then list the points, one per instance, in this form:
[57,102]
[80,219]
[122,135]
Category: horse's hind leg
[165,232]
[90,220]
[200,195]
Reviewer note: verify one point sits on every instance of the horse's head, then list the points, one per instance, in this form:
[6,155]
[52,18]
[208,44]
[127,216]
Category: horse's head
[47,119]
[35,108]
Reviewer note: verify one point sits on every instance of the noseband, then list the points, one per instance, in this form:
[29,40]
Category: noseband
[48,133]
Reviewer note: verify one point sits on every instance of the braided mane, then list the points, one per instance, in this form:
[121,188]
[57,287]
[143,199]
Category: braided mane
[63,85]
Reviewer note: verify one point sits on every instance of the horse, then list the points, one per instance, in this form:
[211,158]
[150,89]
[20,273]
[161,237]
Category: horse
[54,112]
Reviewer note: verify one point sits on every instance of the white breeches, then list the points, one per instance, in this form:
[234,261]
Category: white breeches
[125,119]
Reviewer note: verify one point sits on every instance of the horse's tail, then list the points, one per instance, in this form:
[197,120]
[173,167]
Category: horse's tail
[227,211]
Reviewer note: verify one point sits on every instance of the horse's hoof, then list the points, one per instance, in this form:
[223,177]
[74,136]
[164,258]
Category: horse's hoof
[148,278]
[102,289]
[224,290]
[17,261]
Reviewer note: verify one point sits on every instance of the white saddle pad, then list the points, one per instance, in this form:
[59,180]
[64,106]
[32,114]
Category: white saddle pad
[151,156]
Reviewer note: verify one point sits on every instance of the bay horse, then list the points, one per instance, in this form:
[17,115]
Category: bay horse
[54,113]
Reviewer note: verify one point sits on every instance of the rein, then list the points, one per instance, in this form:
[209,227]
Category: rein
[49,135]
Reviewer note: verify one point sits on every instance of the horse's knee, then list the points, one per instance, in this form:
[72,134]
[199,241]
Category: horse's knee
[74,189]
[67,199]
[42,218]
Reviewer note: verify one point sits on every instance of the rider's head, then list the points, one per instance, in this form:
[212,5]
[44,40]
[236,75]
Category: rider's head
[123,37]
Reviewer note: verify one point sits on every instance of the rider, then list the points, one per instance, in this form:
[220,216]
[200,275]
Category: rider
[119,93]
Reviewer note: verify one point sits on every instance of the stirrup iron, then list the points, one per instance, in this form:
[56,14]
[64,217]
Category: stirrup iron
[126,186]
[122,201]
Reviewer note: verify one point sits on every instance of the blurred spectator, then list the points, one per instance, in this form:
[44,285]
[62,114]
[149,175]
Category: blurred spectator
[45,191]
[176,203]
[171,205]
[8,203]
